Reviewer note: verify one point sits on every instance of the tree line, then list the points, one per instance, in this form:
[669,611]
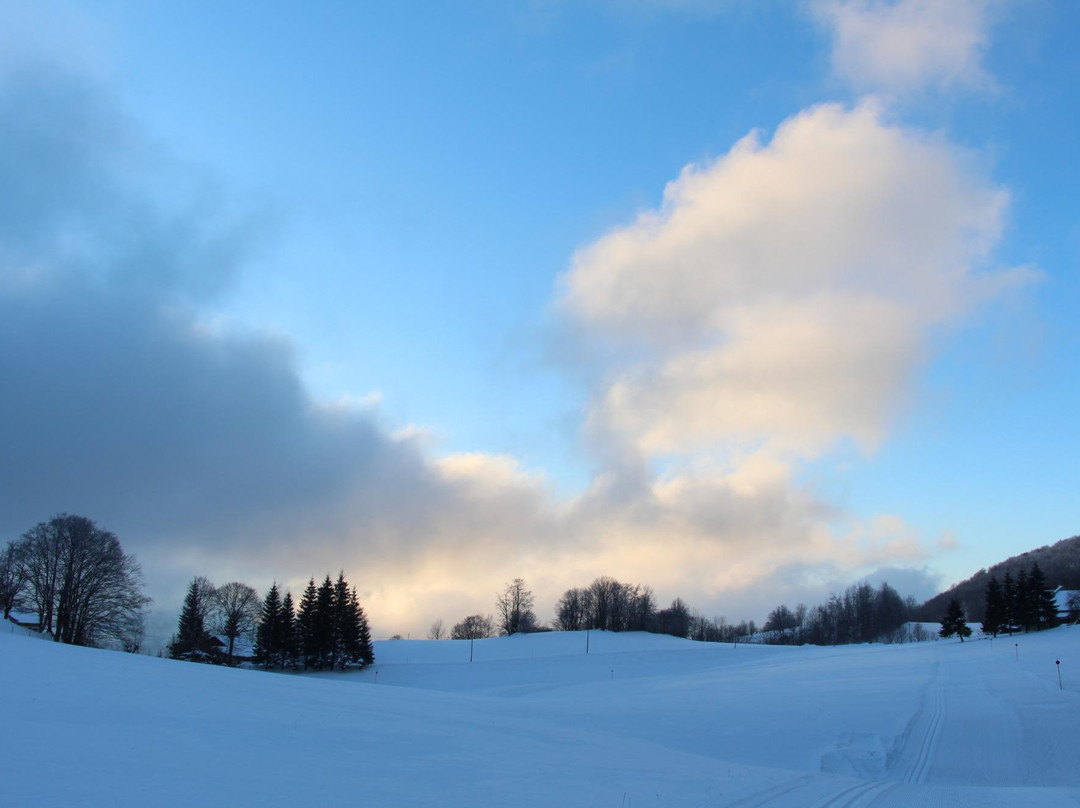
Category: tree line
[859,614]
[79,581]
[606,604]
[328,629]
[1025,603]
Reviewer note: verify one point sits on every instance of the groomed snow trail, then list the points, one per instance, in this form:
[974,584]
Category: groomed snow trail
[988,730]
[917,746]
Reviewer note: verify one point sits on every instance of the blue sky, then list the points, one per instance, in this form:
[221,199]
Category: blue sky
[743,301]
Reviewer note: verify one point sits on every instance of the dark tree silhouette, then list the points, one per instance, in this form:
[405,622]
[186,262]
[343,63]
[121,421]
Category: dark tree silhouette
[1008,596]
[236,611]
[269,641]
[85,589]
[674,620]
[12,579]
[192,641]
[571,612]
[290,633]
[362,651]
[1043,606]
[332,628]
[859,614]
[473,627]
[954,621]
[514,608]
[995,617]
[782,622]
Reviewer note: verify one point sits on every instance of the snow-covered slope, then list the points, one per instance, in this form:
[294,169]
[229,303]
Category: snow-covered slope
[640,720]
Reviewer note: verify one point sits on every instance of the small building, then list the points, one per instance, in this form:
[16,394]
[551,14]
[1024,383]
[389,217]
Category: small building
[1068,604]
[25,620]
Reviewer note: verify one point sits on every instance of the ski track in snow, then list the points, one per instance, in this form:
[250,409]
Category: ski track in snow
[640,721]
[922,735]
[995,739]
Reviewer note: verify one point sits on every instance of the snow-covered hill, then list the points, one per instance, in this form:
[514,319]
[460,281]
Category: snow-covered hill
[641,720]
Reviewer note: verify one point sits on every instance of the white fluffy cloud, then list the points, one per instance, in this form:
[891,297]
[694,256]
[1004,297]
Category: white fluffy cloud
[907,45]
[784,293]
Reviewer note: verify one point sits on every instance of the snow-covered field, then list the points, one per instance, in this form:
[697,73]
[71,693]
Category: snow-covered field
[641,720]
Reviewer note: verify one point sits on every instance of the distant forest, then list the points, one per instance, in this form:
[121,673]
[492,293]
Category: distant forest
[861,613]
[1059,562]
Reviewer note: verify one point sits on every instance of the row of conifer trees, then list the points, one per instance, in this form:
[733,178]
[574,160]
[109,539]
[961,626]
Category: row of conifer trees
[327,630]
[1025,603]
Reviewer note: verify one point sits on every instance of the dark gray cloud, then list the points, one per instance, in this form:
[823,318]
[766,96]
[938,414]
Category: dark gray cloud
[83,194]
[117,400]
[921,583]
[122,405]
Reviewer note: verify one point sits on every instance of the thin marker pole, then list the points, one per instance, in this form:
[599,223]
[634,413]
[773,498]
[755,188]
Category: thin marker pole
[1060,685]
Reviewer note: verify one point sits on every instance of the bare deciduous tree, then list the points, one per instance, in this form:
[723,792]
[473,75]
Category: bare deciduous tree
[675,619]
[236,608]
[783,622]
[473,627]
[607,604]
[514,607]
[86,590]
[12,579]
[571,611]
[436,632]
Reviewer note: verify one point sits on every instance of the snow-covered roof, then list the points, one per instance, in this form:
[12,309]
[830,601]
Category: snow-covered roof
[1061,597]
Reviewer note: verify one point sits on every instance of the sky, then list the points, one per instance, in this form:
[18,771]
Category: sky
[741,301]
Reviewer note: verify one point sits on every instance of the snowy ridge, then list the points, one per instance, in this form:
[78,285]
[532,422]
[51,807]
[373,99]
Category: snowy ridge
[535,721]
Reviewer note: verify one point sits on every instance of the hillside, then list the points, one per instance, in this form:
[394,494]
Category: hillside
[1060,563]
[535,721]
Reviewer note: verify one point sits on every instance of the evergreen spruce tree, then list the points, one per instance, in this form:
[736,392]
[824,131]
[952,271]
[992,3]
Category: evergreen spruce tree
[192,641]
[1008,593]
[365,650]
[324,625]
[307,629]
[345,627]
[290,634]
[995,616]
[268,638]
[1044,607]
[1026,611]
[954,621]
